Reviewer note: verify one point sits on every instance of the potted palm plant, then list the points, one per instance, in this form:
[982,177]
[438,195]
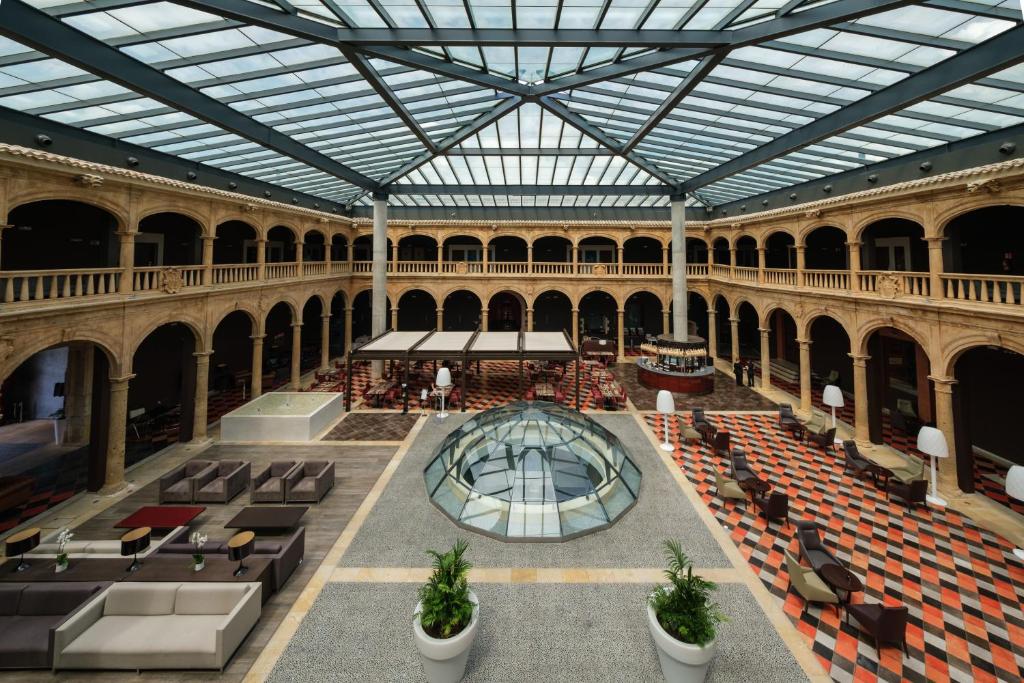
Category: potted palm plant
[198,540]
[63,537]
[683,620]
[446,618]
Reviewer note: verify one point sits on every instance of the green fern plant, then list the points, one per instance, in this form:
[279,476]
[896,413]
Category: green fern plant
[684,607]
[446,607]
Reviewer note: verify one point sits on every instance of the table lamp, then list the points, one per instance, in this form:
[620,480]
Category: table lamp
[20,543]
[832,396]
[134,541]
[1015,489]
[932,443]
[444,380]
[666,406]
[240,546]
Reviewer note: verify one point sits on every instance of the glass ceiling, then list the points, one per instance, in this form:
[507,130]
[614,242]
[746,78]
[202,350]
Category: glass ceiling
[440,117]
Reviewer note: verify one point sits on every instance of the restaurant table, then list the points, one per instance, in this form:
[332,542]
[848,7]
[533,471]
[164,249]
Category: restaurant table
[544,391]
[753,486]
[218,569]
[610,392]
[162,517]
[842,579]
[268,519]
[378,391]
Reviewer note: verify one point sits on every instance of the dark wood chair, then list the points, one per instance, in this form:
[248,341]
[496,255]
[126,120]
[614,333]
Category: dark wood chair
[825,439]
[774,506]
[913,492]
[884,624]
[855,463]
[812,549]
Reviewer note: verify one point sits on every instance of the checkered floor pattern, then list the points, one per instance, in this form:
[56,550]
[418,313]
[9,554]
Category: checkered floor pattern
[57,480]
[494,384]
[962,585]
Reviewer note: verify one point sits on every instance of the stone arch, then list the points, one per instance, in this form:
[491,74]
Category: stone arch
[856,231]
[254,317]
[554,233]
[553,288]
[859,338]
[804,323]
[112,207]
[293,306]
[590,290]
[801,236]
[319,229]
[399,293]
[472,288]
[196,326]
[647,289]
[316,295]
[745,233]
[773,231]
[962,345]
[206,227]
[945,217]
[769,311]
[41,340]
[249,219]
[296,233]
[608,236]
[663,239]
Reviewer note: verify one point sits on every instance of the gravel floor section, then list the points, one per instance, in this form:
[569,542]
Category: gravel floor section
[528,632]
[404,523]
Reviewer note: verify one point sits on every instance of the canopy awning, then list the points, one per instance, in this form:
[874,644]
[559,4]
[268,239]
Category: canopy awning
[425,345]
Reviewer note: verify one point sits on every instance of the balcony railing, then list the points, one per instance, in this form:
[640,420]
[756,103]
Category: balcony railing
[313,268]
[894,282]
[827,279]
[231,274]
[38,285]
[989,289]
[170,278]
[721,270]
[508,267]
[280,271]
[782,277]
[745,274]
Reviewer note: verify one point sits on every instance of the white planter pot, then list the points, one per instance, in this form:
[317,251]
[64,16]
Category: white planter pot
[199,566]
[680,662]
[61,567]
[444,659]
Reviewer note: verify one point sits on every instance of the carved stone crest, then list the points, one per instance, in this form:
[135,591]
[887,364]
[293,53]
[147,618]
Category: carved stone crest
[990,185]
[89,180]
[6,348]
[461,268]
[600,269]
[171,280]
[248,208]
[889,286]
[812,213]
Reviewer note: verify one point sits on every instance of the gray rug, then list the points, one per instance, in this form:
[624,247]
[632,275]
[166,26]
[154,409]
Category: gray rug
[404,523]
[528,632]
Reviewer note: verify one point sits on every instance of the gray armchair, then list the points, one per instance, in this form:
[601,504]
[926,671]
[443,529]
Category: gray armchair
[310,483]
[268,485]
[179,485]
[231,477]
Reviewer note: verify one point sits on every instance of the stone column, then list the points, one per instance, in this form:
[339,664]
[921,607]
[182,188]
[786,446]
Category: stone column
[3,226]
[576,327]
[713,333]
[760,265]
[379,321]
[325,341]
[621,340]
[664,320]
[732,262]
[854,266]
[800,249]
[575,260]
[78,394]
[440,319]
[394,318]
[347,342]
[261,259]
[126,261]
[806,404]
[484,314]
[208,259]
[486,251]
[619,271]
[734,334]
[944,423]
[256,380]
[861,427]
[935,267]
[680,326]
[664,268]
[348,255]
[296,356]
[766,358]
[440,259]
[202,391]
[298,259]
[529,258]
[113,480]
[394,257]
[328,248]
[529,320]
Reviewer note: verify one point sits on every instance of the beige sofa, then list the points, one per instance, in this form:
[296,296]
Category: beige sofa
[158,626]
[101,549]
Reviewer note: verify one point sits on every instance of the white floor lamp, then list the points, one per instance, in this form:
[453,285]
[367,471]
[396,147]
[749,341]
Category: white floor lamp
[932,443]
[444,380]
[666,406]
[832,396]
[1015,489]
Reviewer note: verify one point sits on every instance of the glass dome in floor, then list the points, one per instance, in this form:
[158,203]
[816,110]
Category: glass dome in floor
[532,471]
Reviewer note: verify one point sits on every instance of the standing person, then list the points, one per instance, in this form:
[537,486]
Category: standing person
[737,369]
[750,374]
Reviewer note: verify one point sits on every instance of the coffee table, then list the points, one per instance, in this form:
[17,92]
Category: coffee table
[754,486]
[268,519]
[842,579]
[162,517]
[878,471]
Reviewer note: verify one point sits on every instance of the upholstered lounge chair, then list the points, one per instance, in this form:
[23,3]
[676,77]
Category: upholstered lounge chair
[809,585]
[787,418]
[883,623]
[740,467]
[180,485]
[315,479]
[727,488]
[29,615]
[811,547]
[284,552]
[825,439]
[268,485]
[855,463]
[912,493]
[774,506]
[231,478]
[720,443]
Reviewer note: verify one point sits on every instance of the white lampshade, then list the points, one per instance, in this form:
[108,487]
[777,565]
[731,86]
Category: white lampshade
[832,396]
[1015,482]
[666,404]
[931,441]
[423,394]
[444,377]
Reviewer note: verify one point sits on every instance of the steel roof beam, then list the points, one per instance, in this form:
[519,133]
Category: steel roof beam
[995,54]
[20,22]
[538,190]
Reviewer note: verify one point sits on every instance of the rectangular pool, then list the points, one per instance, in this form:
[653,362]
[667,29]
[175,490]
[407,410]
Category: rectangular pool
[283,416]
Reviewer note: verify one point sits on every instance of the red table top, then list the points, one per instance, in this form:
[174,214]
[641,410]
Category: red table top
[161,516]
